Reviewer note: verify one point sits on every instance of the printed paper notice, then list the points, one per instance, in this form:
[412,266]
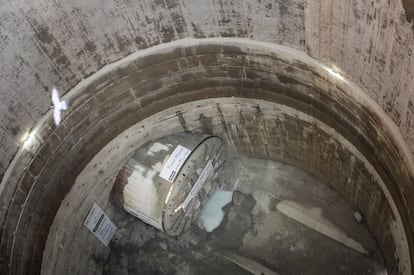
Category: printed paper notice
[100,225]
[174,163]
[208,169]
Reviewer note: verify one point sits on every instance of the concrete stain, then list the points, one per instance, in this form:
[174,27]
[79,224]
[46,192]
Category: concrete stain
[44,35]
[206,124]
[182,120]
[223,122]
[263,130]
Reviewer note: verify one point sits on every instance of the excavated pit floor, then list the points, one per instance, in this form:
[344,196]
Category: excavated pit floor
[281,220]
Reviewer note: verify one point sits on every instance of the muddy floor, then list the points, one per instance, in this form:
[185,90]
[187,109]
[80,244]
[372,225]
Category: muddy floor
[268,228]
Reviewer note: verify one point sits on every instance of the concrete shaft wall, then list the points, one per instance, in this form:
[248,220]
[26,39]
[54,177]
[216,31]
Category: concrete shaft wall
[251,127]
[162,77]
[59,43]
[45,44]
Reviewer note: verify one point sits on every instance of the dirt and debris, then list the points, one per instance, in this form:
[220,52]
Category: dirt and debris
[253,232]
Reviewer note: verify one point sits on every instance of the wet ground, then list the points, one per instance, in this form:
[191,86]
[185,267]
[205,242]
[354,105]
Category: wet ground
[281,220]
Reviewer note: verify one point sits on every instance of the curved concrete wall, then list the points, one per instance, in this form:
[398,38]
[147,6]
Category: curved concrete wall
[59,43]
[45,44]
[252,127]
[150,81]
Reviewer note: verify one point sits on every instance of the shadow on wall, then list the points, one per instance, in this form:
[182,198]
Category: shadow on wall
[409,9]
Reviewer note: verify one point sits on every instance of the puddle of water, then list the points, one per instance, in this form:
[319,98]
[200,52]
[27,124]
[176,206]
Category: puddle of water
[212,214]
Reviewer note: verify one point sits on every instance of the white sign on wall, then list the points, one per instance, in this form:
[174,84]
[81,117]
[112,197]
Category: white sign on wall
[100,225]
[174,163]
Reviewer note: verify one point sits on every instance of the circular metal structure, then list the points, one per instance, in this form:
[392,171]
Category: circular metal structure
[165,182]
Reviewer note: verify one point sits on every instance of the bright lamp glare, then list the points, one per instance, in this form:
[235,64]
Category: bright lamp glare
[28,139]
[333,73]
[24,137]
